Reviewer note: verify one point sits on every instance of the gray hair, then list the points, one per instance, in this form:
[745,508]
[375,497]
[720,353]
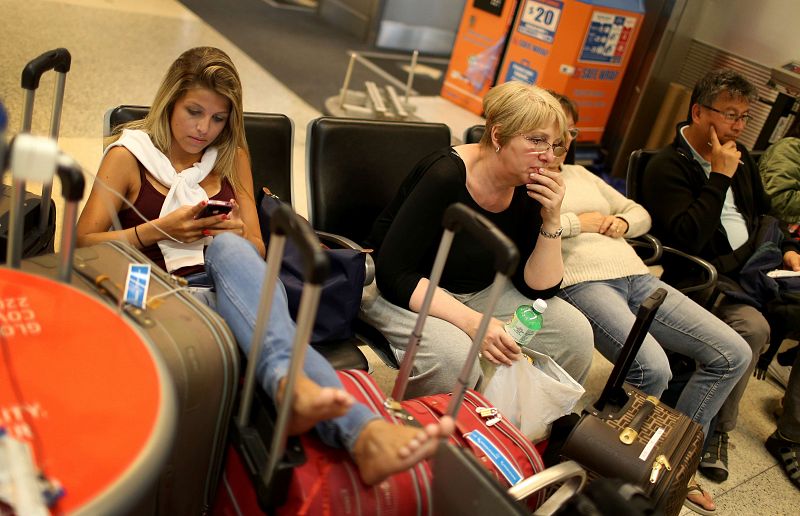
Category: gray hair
[716,82]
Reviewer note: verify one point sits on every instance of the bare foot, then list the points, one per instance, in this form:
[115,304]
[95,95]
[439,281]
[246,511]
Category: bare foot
[312,404]
[383,449]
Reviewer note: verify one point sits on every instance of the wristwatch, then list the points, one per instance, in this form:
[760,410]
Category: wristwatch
[550,235]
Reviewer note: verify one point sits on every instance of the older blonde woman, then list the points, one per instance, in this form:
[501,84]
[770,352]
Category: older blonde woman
[506,178]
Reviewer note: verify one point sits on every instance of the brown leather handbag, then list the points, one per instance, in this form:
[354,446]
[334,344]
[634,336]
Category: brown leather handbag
[632,436]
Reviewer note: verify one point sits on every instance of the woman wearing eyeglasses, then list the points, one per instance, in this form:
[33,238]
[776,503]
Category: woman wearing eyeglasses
[506,178]
[607,281]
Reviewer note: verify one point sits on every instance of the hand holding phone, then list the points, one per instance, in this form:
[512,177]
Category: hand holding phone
[214,208]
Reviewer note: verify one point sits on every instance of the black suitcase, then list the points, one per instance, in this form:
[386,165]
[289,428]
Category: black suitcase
[37,211]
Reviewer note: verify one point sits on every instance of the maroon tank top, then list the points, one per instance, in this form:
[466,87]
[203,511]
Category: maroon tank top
[149,202]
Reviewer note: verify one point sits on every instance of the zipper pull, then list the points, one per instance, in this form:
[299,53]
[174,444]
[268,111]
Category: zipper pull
[660,462]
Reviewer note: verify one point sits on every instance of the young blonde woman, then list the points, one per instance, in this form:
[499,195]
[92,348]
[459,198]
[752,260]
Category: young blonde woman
[190,149]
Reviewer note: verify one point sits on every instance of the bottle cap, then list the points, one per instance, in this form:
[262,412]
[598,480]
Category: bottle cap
[540,305]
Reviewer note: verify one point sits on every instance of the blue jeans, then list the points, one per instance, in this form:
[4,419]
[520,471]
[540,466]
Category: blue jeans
[680,325]
[237,272]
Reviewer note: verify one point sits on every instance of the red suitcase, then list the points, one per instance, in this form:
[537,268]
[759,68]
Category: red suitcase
[328,482]
[322,480]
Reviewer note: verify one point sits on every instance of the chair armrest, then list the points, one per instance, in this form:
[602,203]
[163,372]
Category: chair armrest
[709,271]
[342,242]
[570,473]
[648,241]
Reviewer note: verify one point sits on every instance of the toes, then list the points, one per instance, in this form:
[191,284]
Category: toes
[445,427]
[330,397]
[342,397]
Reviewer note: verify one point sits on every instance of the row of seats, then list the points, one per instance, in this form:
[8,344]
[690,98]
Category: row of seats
[353,169]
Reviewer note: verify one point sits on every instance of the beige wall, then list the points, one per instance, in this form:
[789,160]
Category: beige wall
[766,31]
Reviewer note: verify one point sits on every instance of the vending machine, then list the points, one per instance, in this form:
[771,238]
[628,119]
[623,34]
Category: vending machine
[579,48]
[478,48]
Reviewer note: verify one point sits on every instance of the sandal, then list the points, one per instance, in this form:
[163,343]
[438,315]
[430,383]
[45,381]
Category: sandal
[788,455]
[694,487]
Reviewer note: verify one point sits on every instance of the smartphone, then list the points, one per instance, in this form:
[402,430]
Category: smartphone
[215,208]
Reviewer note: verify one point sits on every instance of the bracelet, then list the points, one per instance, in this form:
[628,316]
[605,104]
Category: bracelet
[136,232]
[551,235]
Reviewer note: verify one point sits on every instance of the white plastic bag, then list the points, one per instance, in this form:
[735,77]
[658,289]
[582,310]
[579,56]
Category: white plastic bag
[533,395]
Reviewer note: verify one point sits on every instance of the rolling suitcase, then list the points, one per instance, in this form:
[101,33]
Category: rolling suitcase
[629,435]
[197,346]
[38,212]
[462,485]
[86,401]
[312,478]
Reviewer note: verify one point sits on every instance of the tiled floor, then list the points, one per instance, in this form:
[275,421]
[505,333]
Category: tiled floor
[121,48]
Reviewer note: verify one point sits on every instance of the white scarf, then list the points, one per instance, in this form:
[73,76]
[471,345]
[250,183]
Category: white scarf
[184,189]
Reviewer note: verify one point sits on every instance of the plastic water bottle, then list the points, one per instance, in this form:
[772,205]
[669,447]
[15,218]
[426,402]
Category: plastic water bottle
[526,322]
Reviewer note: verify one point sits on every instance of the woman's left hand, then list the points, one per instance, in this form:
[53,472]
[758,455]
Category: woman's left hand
[547,187]
[230,222]
[613,227]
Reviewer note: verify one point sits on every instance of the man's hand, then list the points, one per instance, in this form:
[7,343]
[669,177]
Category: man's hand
[792,260]
[724,157]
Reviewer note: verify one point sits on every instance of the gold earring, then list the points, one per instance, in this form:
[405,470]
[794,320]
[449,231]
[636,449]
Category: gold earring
[497,150]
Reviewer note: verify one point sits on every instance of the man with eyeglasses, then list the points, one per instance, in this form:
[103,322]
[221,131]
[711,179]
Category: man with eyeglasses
[706,198]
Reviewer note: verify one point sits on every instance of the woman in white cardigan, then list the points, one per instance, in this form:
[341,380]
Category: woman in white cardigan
[607,281]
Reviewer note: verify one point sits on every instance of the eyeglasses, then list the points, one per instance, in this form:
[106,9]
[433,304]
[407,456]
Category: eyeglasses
[730,116]
[574,132]
[540,146]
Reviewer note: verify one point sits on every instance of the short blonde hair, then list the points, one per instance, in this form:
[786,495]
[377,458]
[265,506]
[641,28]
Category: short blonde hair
[515,108]
[200,67]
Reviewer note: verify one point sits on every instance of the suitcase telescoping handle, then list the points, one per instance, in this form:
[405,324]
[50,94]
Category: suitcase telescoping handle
[72,186]
[613,391]
[458,217]
[59,60]
[285,223]
[37,158]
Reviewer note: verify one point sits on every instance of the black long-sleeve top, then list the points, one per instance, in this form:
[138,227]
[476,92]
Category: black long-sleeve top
[686,205]
[406,235]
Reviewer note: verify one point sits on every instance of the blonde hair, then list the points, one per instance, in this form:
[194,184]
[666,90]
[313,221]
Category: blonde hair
[200,67]
[515,108]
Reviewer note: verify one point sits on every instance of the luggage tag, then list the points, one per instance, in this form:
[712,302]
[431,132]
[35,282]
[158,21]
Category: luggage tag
[136,283]
[500,461]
